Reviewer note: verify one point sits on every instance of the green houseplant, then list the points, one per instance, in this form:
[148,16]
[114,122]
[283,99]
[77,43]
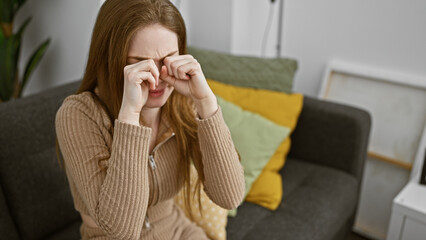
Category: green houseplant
[10,45]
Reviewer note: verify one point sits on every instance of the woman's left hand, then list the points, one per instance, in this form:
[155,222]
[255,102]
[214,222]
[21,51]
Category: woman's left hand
[184,73]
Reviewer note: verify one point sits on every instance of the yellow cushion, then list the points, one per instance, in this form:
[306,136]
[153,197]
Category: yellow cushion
[281,108]
[214,218]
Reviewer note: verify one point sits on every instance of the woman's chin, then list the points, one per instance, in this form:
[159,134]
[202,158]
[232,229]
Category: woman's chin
[155,103]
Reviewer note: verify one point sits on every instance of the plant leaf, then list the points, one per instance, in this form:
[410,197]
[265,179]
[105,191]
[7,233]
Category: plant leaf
[19,2]
[32,63]
[1,34]
[8,66]
[3,66]
[23,27]
[8,8]
[16,40]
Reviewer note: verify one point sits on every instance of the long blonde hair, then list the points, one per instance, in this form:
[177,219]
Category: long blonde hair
[116,23]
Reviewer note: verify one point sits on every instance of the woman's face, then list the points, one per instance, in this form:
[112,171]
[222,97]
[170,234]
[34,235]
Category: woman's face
[154,42]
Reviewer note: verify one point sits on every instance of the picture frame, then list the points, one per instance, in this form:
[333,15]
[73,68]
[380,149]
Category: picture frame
[418,174]
[358,85]
[397,106]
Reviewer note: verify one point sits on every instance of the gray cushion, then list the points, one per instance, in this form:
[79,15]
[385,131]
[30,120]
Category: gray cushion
[266,73]
[35,187]
[317,203]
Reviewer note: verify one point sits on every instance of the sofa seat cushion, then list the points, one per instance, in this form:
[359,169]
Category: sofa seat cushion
[317,202]
[249,215]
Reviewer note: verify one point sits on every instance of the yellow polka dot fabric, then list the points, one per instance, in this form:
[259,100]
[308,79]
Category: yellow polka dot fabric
[214,218]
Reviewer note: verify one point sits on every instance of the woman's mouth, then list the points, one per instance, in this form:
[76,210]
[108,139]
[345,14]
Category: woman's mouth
[156,93]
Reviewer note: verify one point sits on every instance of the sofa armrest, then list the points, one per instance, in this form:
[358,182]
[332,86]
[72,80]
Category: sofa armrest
[332,134]
[7,226]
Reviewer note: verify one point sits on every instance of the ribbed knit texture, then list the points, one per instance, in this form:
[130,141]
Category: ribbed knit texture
[119,199]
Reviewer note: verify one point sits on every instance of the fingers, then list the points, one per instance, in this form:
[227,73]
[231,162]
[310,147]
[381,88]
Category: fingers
[189,68]
[182,65]
[178,67]
[146,76]
[169,60]
[134,75]
[164,75]
[145,66]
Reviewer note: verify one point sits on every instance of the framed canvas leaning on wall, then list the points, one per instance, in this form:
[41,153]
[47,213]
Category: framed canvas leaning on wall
[397,104]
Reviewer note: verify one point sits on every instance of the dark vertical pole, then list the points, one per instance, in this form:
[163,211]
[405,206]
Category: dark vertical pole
[423,171]
[280,27]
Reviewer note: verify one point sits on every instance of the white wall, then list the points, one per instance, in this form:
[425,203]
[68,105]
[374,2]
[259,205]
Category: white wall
[387,34]
[233,26]
[249,21]
[69,25]
[217,15]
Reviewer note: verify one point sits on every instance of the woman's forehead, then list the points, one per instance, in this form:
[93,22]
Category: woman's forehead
[153,41]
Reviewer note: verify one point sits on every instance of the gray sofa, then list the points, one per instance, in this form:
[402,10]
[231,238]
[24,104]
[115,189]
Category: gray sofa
[321,178]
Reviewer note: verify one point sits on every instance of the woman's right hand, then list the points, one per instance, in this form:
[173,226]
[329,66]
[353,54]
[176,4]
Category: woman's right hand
[137,78]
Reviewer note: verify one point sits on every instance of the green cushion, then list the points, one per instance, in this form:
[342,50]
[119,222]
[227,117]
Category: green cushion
[274,74]
[255,137]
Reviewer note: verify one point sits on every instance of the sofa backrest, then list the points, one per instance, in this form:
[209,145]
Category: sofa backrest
[332,134]
[35,188]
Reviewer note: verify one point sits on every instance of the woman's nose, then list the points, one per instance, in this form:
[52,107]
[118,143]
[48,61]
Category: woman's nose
[159,64]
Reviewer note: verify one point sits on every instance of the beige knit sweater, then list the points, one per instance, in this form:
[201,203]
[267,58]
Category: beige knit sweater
[133,199]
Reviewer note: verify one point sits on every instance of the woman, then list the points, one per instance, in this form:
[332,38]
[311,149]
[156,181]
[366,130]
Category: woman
[143,112]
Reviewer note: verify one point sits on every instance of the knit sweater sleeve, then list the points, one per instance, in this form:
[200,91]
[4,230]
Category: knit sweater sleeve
[118,199]
[224,174]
